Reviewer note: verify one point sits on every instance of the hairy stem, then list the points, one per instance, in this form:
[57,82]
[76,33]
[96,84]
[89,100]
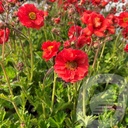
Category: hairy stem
[10,90]
[53,91]
[96,56]
[31,53]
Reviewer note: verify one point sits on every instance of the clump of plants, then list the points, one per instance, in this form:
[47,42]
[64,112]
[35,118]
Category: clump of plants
[49,50]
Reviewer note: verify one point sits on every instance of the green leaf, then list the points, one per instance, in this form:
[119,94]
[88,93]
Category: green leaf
[53,123]
[68,122]
[62,106]
[11,72]
[60,117]
[43,124]
[2,114]
[2,96]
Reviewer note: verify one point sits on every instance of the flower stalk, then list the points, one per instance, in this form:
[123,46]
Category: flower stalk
[53,92]
[11,92]
[31,56]
[75,95]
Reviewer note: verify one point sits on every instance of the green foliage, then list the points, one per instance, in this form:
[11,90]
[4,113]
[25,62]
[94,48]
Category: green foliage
[27,97]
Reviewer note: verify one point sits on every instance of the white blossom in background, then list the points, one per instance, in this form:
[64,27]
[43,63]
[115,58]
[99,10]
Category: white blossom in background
[118,5]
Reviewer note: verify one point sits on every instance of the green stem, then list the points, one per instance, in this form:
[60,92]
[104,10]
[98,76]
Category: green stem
[31,53]
[89,46]
[19,32]
[116,40]
[84,107]
[75,96]
[44,113]
[114,47]
[96,56]
[10,90]
[102,50]
[74,102]
[101,55]
[27,96]
[84,102]
[45,33]
[53,91]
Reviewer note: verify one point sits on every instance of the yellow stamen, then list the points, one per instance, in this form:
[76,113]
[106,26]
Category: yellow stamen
[50,48]
[32,15]
[97,22]
[125,19]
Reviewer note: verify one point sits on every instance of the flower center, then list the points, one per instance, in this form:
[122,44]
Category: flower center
[50,48]
[125,19]
[97,22]
[32,15]
[71,65]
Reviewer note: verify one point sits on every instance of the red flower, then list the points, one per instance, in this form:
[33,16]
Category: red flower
[52,0]
[78,42]
[96,2]
[96,24]
[56,20]
[71,1]
[123,19]
[112,19]
[102,3]
[79,7]
[88,31]
[30,16]
[125,32]
[12,1]
[74,31]
[111,23]
[71,65]
[4,35]
[1,8]
[82,40]
[50,49]
[67,44]
[115,0]
[126,48]
[86,17]
[45,14]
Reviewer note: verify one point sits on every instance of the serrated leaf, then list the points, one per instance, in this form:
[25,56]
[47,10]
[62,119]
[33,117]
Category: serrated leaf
[2,96]
[53,123]
[42,124]
[38,55]
[11,72]
[60,116]
[63,106]
[2,115]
